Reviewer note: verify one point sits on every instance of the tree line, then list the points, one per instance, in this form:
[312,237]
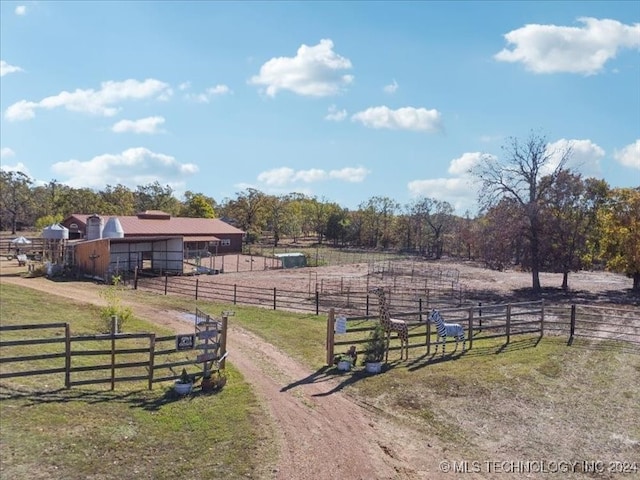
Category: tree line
[535,214]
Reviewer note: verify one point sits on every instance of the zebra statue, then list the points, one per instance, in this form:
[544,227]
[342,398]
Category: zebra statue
[447,330]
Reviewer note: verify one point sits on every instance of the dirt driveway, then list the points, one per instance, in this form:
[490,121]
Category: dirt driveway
[322,433]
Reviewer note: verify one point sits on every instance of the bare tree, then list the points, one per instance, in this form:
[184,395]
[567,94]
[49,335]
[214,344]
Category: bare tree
[517,176]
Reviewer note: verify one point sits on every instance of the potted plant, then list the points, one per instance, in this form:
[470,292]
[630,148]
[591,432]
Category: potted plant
[213,380]
[375,349]
[345,361]
[184,384]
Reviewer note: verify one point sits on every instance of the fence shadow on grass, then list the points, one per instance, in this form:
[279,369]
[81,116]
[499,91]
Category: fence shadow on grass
[477,351]
[142,399]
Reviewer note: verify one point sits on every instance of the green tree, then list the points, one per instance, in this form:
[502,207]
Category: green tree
[619,226]
[154,196]
[118,200]
[197,205]
[15,198]
[248,211]
[569,207]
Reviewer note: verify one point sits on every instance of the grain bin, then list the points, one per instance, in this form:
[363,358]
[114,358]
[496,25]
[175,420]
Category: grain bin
[95,224]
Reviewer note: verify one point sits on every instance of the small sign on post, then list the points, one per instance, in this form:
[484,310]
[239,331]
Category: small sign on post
[185,342]
[341,325]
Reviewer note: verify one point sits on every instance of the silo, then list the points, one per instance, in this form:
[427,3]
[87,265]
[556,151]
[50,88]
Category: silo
[56,232]
[95,224]
[113,229]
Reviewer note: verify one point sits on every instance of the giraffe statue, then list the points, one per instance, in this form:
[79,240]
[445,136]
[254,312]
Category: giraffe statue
[392,324]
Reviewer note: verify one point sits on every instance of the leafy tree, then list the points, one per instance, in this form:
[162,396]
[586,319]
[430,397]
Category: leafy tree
[248,210]
[517,176]
[569,207]
[154,196]
[619,225]
[15,198]
[79,200]
[501,231]
[43,222]
[197,205]
[118,200]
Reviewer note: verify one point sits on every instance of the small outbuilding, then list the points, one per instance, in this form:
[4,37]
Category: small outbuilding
[292,260]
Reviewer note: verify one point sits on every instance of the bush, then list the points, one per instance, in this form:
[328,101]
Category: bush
[376,346]
[114,306]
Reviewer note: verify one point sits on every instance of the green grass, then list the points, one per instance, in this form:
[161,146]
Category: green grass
[51,432]
[525,400]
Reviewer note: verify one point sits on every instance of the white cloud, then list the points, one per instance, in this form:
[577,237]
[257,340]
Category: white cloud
[584,49]
[462,165]
[629,156]
[406,118]
[19,167]
[184,86]
[6,69]
[315,71]
[336,115]
[392,87]
[459,190]
[21,10]
[6,152]
[279,177]
[97,102]
[349,174]
[133,167]
[585,156]
[148,125]
[209,93]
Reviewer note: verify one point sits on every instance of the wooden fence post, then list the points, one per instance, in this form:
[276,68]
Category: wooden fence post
[135,278]
[428,336]
[470,327]
[541,318]
[166,282]
[274,298]
[197,280]
[508,323]
[420,310]
[317,303]
[223,340]
[152,359]
[572,327]
[67,357]
[480,316]
[113,361]
[235,294]
[330,336]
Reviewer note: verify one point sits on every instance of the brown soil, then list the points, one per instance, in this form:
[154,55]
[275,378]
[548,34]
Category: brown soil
[323,433]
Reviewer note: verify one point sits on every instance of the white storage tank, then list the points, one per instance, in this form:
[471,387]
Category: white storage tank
[56,232]
[95,224]
[113,229]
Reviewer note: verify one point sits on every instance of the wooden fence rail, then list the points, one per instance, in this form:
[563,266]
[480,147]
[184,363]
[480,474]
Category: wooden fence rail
[99,359]
[483,322]
[356,302]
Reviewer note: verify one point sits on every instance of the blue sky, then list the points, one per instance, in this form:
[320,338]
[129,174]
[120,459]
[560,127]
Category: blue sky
[339,100]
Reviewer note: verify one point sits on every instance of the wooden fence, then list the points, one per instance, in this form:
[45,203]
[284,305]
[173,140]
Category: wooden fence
[354,302]
[484,322]
[100,359]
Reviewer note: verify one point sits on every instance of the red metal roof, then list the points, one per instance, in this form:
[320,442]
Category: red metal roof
[154,223]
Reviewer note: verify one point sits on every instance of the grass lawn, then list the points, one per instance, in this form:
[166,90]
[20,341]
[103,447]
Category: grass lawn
[94,433]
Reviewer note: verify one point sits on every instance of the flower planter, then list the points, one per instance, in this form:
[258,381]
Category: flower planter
[182,388]
[344,365]
[373,367]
